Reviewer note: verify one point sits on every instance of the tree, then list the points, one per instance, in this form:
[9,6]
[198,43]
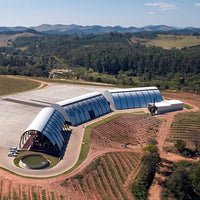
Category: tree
[195,176]
[180,184]
[180,145]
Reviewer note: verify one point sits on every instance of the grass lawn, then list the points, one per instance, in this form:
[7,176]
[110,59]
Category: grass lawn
[14,85]
[53,160]
[171,41]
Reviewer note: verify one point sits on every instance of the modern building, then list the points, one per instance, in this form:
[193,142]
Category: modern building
[165,106]
[120,99]
[45,132]
[83,108]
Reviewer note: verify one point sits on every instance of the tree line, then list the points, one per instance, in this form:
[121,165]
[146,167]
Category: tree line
[112,54]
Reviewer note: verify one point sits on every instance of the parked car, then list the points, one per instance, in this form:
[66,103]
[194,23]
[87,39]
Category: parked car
[14,149]
[12,154]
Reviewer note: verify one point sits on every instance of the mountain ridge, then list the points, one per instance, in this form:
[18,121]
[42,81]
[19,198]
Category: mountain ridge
[96,29]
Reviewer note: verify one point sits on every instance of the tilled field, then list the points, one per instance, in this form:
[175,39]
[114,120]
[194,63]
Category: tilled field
[107,177]
[13,189]
[186,126]
[126,130]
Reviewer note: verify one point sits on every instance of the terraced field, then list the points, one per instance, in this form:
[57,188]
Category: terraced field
[107,177]
[186,126]
[127,129]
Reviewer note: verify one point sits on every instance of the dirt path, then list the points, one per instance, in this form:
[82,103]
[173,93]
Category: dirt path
[42,83]
[156,188]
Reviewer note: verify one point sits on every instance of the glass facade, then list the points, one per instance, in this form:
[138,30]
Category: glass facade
[86,109]
[135,98]
[52,129]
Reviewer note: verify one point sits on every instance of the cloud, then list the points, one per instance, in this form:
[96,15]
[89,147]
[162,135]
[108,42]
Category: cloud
[197,4]
[151,13]
[162,5]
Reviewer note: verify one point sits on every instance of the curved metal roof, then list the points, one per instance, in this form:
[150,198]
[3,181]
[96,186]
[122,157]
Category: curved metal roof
[49,122]
[132,89]
[79,98]
[41,119]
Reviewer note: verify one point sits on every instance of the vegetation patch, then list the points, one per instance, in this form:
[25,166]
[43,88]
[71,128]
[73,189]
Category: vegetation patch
[52,160]
[172,41]
[183,182]
[15,85]
[187,106]
[144,179]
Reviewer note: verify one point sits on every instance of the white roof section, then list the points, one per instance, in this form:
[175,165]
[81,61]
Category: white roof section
[174,101]
[167,103]
[133,89]
[41,119]
[161,104]
[77,99]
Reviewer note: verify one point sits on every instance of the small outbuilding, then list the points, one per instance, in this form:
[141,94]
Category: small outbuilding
[165,106]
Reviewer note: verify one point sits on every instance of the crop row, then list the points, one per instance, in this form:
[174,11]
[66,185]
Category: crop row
[14,190]
[125,129]
[186,126]
[105,177]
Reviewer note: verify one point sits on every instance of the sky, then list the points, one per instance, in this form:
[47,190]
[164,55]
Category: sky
[125,13]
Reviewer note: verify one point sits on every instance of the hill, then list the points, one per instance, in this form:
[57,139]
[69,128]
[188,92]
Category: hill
[95,29]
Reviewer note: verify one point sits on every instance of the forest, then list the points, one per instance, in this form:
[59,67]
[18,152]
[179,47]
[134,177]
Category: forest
[111,58]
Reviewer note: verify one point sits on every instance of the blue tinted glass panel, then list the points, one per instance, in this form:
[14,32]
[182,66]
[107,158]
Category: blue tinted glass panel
[147,97]
[52,132]
[123,101]
[152,95]
[73,114]
[102,106]
[141,98]
[81,114]
[99,105]
[94,108]
[129,100]
[58,122]
[77,117]
[159,97]
[56,133]
[135,99]
[60,116]
[52,136]
[70,115]
[117,101]
[106,105]
[88,106]
[48,135]
[84,110]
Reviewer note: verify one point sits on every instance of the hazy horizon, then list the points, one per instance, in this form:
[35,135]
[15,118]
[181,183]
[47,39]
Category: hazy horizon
[123,13]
